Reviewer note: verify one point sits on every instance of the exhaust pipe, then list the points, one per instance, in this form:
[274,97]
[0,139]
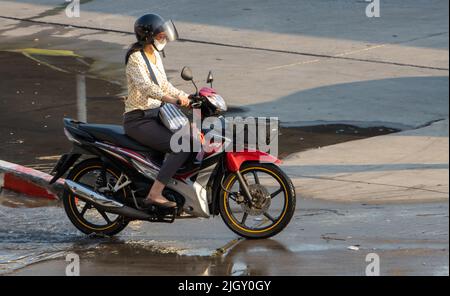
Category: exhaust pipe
[86,194]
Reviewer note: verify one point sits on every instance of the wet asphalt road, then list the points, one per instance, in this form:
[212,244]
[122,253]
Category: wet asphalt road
[410,239]
[391,70]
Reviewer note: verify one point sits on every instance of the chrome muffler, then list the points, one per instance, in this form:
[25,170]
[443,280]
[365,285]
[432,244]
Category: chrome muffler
[102,202]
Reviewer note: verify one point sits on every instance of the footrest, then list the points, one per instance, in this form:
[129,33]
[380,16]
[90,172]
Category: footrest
[163,215]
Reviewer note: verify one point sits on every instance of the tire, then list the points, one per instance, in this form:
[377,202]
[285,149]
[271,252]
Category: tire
[70,202]
[282,220]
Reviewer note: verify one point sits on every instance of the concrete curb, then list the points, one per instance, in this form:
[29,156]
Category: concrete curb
[29,181]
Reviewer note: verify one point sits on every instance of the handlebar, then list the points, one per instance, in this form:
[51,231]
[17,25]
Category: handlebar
[195,101]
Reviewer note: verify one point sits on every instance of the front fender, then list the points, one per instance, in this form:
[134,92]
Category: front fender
[236,159]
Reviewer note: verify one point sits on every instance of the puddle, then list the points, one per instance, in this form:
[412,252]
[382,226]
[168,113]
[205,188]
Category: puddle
[116,258]
[27,235]
[296,139]
[38,236]
[13,200]
[35,98]
[33,232]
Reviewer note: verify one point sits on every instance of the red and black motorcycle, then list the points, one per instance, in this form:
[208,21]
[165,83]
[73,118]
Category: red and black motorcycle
[105,191]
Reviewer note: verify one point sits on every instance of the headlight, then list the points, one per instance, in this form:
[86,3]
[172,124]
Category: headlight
[218,102]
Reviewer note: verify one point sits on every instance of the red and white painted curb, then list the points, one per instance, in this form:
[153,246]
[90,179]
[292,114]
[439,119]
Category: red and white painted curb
[29,181]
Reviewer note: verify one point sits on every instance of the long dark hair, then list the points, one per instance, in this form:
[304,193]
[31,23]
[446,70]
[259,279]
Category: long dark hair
[137,46]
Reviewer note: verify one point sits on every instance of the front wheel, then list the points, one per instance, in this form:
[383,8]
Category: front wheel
[272,205]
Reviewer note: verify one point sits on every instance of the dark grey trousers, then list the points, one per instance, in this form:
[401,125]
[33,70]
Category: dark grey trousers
[146,128]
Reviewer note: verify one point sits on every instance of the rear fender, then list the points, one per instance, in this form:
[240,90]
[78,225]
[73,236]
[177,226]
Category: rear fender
[64,163]
[67,160]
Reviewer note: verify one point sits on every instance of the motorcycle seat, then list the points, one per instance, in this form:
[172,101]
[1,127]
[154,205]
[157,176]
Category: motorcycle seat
[115,134]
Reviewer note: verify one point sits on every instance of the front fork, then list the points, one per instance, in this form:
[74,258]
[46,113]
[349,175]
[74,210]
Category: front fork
[244,186]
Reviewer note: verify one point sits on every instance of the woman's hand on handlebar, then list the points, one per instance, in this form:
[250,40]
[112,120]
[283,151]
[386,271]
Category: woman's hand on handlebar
[183,101]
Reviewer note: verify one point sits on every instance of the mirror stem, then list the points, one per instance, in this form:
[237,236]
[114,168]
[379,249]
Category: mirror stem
[196,89]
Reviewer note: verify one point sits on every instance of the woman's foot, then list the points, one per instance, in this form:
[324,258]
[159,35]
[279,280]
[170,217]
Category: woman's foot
[159,201]
[155,197]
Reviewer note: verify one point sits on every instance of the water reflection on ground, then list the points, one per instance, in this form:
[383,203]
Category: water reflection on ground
[33,230]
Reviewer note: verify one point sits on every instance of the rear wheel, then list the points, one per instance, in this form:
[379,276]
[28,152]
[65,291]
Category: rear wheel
[84,215]
[272,206]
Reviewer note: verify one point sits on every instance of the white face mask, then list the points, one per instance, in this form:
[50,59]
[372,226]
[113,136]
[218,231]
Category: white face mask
[160,45]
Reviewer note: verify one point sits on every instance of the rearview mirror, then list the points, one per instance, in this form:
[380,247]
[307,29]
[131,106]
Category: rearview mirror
[186,74]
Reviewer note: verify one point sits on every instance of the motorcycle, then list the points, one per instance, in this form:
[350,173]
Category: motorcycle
[104,191]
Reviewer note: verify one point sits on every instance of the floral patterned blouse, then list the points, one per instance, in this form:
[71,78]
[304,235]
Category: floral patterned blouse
[143,93]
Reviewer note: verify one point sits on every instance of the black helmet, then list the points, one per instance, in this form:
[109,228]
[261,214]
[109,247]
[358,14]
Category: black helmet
[149,25]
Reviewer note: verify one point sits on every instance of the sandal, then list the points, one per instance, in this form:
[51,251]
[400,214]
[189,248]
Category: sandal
[168,204]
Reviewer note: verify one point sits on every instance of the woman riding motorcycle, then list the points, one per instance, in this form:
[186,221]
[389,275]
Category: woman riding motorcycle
[140,120]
